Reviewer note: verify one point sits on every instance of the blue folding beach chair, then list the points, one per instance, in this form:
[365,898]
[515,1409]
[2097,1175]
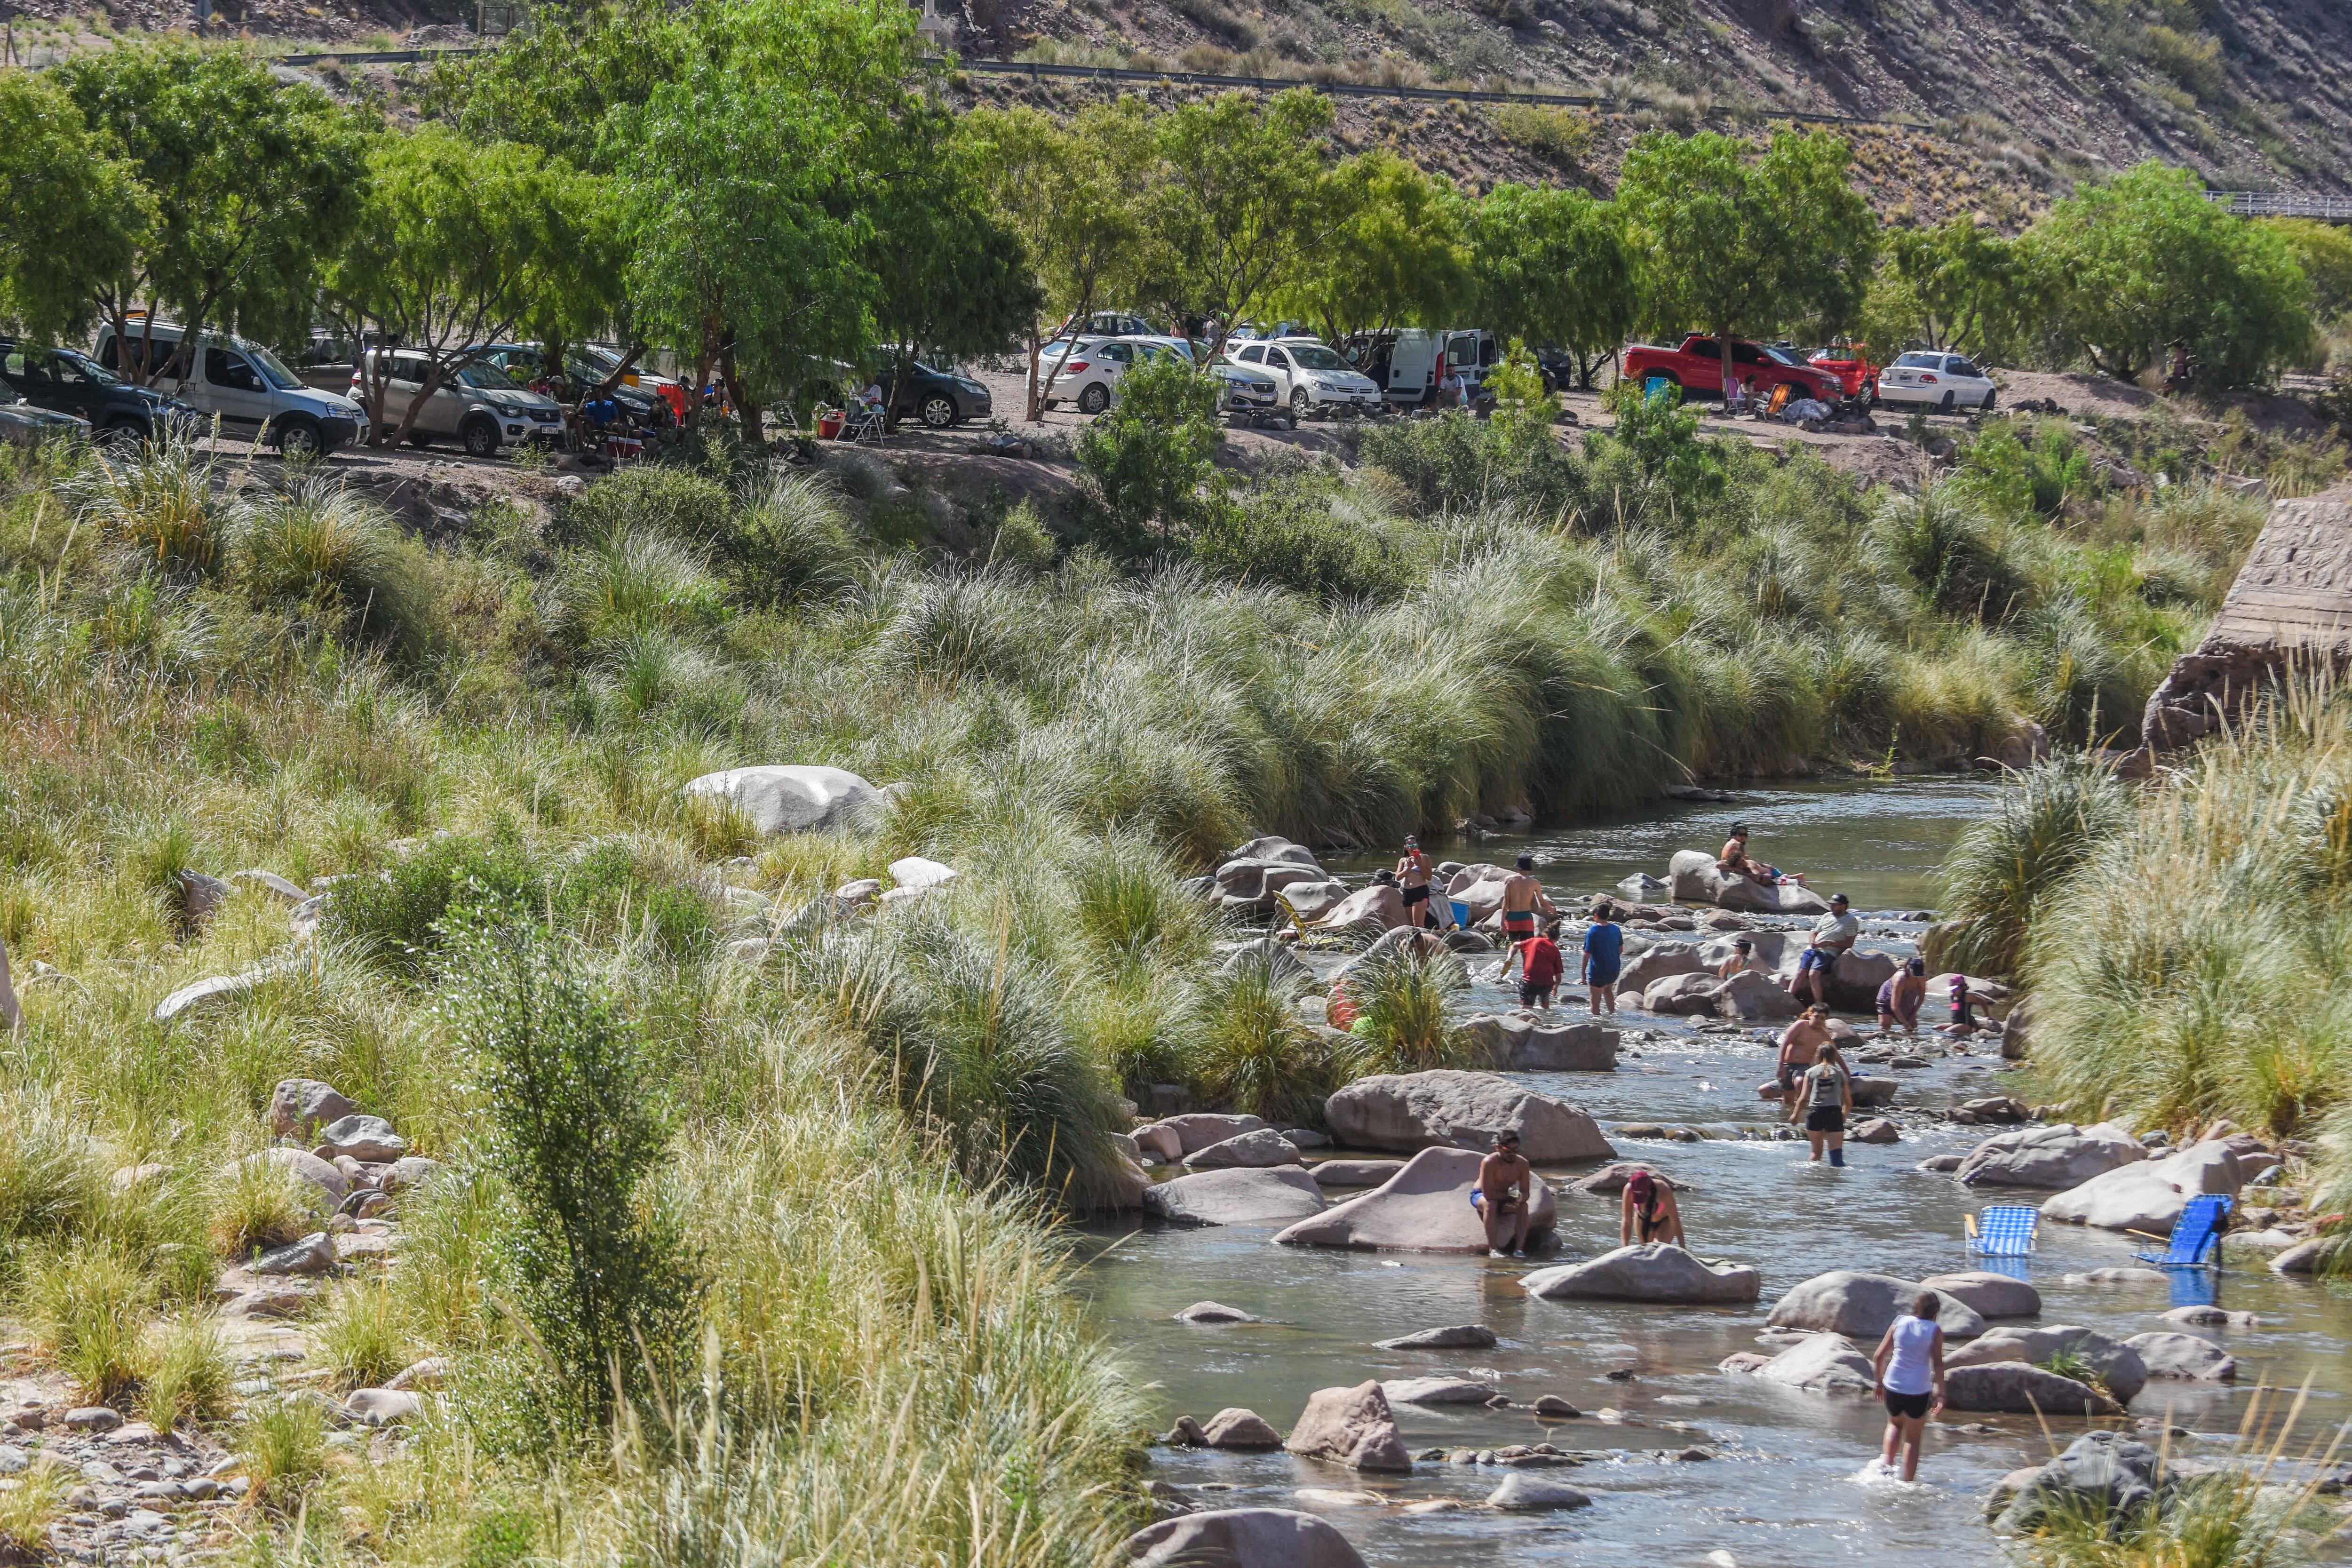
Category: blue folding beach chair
[2003,1230]
[2196,1240]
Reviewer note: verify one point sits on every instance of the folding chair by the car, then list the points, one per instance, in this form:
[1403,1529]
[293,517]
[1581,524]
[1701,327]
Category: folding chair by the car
[863,423]
[2196,1239]
[2002,1231]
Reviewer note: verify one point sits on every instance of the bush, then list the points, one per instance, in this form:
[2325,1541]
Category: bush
[260,1206]
[29,1503]
[363,1337]
[1401,1001]
[1287,533]
[1248,1049]
[2052,817]
[1457,461]
[88,1308]
[283,1441]
[185,1373]
[1150,451]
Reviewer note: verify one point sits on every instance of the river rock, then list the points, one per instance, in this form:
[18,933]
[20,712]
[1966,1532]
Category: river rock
[1256,1151]
[1463,1110]
[2055,1157]
[1252,878]
[1460,1336]
[1425,1207]
[1644,888]
[1215,1312]
[314,1254]
[1862,1306]
[370,1140]
[1480,889]
[1648,1271]
[1874,1091]
[1611,1179]
[2016,1388]
[1940,1164]
[221,988]
[2117,1364]
[1662,961]
[382,1406]
[2102,1472]
[1285,965]
[301,1163]
[1524,1493]
[1438,1391]
[1274,847]
[299,1106]
[2133,1275]
[1380,904]
[1241,1538]
[1198,1130]
[1331,1174]
[1986,1294]
[1274,1196]
[1749,997]
[2190,1356]
[1240,1431]
[1874,1129]
[1523,1041]
[2212,1317]
[1682,996]
[2148,1195]
[2303,1257]
[1352,1426]
[1819,1364]
[790,798]
[1313,901]
[1695,879]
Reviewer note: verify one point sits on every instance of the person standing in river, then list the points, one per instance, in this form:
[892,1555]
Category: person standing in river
[1506,1193]
[1412,872]
[1910,1364]
[1824,1098]
[1834,937]
[1900,999]
[1604,960]
[1800,1045]
[1540,968]
[1523,901]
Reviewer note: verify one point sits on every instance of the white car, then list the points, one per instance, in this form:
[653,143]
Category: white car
[1310,377]
[1087,371]
[1945,383]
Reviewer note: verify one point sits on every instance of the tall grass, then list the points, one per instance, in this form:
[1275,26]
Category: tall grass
[1402,1018]
[2054,815]
[1250,1051]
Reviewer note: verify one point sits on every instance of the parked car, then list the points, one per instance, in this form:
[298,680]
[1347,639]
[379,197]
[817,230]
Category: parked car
[479,405]
[63,382]
[1310,377]
[648,401]
[1946,382]
[1087,370]
[941,398]
[1697,367]
[603,359]
[1404,365]
[1849,363]
[25,424]
[1118,323]
[1250,397]
[240,384]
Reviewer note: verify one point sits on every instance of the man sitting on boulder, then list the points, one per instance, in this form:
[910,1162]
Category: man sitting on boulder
[1834,935]
[1506,1196]
[1735,862]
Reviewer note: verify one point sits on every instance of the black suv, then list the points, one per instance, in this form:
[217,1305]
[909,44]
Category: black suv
[65,383]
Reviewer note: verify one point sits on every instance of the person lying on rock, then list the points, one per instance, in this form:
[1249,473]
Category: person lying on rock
[1540,968]
[1523,900]
[1413,874]
[1506,1196]
[1742,960]
[1901,998]
[1824,1098]
[1735,862]
[1800,1046]
[1834,937]
[1646,1211]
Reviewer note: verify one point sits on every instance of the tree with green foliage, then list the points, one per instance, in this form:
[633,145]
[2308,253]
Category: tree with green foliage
[1397,255]
[1736,244]
[2143,262]
[2324,251]
[1155,445]
[952,280]
[1957,286]
[1552,267]
[458,245]
[1072,191]
[253,181]
[1245,201]
[71,218]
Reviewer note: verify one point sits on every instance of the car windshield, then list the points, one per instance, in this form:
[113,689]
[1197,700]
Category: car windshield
[73,365]
[1783,356]
[274,374]
[1921,362]
[488,378]
[1314,356]
[603,359]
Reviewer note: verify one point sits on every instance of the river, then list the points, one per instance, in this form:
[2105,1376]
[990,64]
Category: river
[1786,1486]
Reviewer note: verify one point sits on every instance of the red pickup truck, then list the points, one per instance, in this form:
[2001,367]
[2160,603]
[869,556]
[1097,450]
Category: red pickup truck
[1697,367]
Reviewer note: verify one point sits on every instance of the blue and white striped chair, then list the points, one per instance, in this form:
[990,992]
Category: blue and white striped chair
[2003,1230]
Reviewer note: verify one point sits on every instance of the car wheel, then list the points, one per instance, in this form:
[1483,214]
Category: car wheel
[1094,399]
[481,437]
[1945,406]
[1299,404]
[298,436]
[122,433]
[938,411]
[1987,403]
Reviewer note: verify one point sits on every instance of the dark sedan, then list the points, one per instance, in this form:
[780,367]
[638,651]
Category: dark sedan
[941,399]
[62,381]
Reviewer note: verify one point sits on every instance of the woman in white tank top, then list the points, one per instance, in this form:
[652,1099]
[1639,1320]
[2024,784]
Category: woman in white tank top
[1910,1363]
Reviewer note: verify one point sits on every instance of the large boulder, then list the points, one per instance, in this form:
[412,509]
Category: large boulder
[1426,1208]
[1463,1110]
[367,1138]
[1329,1173]
[2100,1473]
[1380,904]
[1274,1197]
[1749,997]
[1682,996]
[2149,1196]
[300,1106]
[1862,1306]
[790,798]
[1697,880]
[1274,847]
[2054,1157]
[1240,1431]
[2018,1388]
[1243,1538]
[332,1183]
[1480,889]
[1776,951]
[220,989]
[1662,962]
[1197,1130]
[1253,1151]
[1256,881]
[1313,901]
[1854,980]
[1438,1391]
[1523,1041]
[1819,1364]
[2117,1364]
[1651,1271]
[2185,1356]
[1523,1493]
[1988,1294]
[1351,1426]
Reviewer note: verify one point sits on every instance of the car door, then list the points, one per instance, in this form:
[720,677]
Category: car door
[1113,359]
[1279,366]
[1973,382]
[442,412]
[78,392]
[236,390]
[28,375]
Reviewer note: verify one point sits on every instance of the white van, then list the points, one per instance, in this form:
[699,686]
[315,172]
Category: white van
[242,384]
[1405,364]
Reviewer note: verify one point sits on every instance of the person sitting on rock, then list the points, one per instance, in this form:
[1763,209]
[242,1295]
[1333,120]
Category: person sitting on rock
[1901,998]
[1540,968]
[1800,1045]
[1742,962]
[1834,937]
[1964,1017]
[1523,900]
[1646,1211]
[1506,1196]
[1413,874]
[1735,862]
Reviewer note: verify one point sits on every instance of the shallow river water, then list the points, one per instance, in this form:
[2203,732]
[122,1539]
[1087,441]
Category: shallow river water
[1787,1484]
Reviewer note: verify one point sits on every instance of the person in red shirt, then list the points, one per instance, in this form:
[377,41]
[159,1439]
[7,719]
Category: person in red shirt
[1540,967]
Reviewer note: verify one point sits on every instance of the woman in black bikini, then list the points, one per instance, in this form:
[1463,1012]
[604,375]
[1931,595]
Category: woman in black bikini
[1647,1211]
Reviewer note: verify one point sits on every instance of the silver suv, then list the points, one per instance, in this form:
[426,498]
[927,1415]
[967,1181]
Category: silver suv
[480,405]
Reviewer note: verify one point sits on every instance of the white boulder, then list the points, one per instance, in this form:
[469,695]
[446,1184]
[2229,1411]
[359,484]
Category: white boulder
[1463,1110]
[1649,1271]
[790,798]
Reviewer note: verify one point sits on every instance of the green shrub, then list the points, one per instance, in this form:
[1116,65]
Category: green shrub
[283,1442]
[88,1308]
[184,1373]
[1287,533]
[1401,1019]
[2052,817]
[1152,449]
[262,1204]
[363,1337]
[1248,1049]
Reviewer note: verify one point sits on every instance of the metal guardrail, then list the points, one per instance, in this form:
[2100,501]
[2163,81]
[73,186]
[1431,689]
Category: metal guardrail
[2283,204]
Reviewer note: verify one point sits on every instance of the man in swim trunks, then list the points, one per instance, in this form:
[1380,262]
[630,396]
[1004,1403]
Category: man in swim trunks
[1540,970]
[1834,937]
[1800,1045]
[1604,960]
[1507,1190]
[1412,872]
[1733,860]
[1900,997]
[1523,900]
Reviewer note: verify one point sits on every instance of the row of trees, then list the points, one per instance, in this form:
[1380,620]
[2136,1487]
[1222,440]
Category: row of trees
[770,187]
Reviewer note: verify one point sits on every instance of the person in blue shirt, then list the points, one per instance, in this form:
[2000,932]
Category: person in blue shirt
[1604,955]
